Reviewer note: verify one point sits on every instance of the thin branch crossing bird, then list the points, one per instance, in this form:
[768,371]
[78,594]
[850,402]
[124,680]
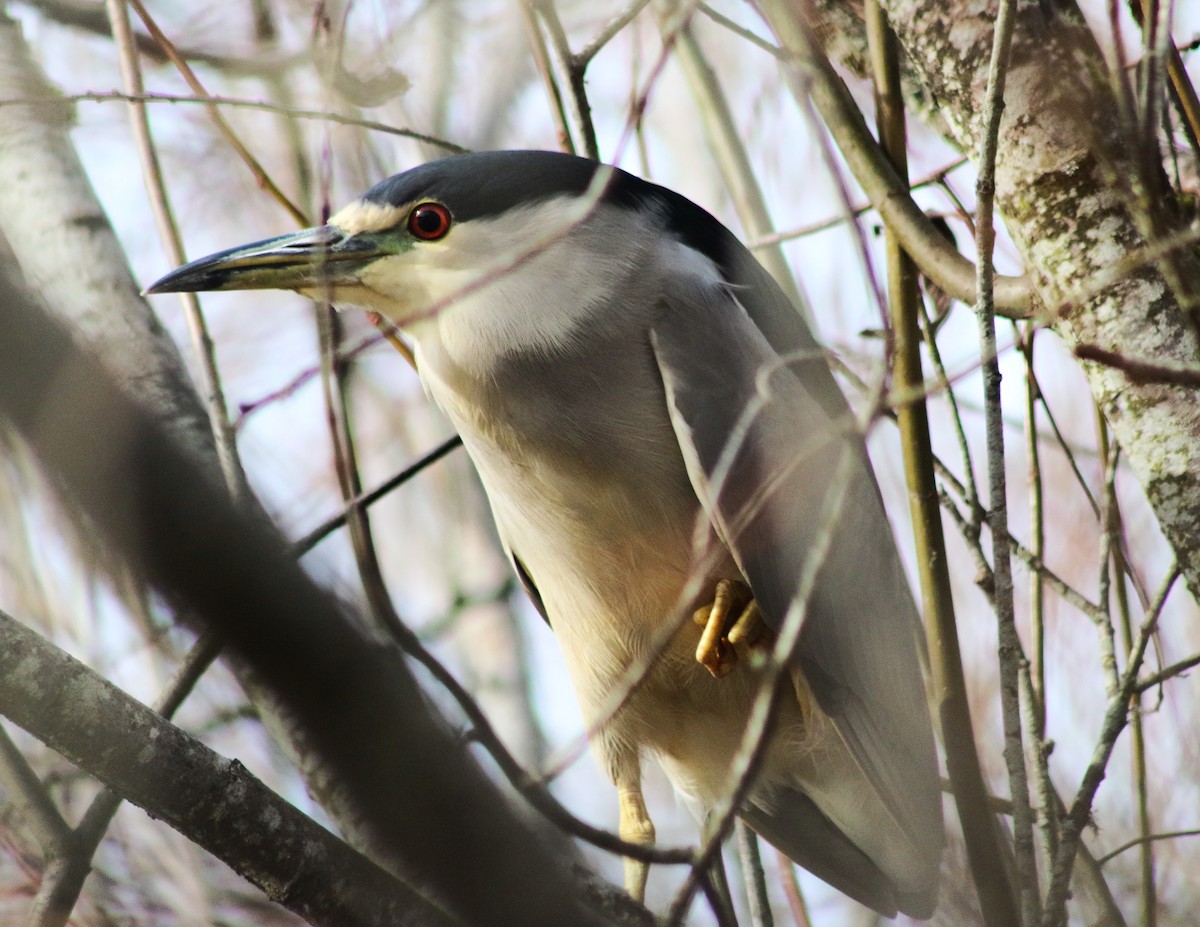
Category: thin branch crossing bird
[680,485]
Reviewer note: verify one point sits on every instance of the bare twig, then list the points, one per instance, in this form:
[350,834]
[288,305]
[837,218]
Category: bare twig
[570,80]
[791,888]
[260,174]
[37,809]
[982,835]
[585,55]
[1033,713]
[1037,521]
[1148,838]
[1114,721]
[937,257]
[825,224]
[541,60]
[1168,672]
[112,96]
[224,436]
[718,903]
[1140,370]
[727,23]
[90,17]
[1114,529]
[1009,645]
[1103,621]
[367,499]
[533,789]
[743,766]
[733,161]
[754,877]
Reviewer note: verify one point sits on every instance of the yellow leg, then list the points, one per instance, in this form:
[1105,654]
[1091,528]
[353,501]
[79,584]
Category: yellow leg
[748,628]
[716,652]
[712,652]
[635,827]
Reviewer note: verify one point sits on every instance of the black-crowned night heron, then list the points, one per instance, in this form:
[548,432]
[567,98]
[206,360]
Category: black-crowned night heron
[658,434]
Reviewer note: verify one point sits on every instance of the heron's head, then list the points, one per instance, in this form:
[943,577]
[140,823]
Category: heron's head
[460,224]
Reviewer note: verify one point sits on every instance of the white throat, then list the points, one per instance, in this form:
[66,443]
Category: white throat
[538,276]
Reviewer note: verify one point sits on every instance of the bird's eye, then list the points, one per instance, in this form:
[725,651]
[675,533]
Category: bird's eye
[429,221]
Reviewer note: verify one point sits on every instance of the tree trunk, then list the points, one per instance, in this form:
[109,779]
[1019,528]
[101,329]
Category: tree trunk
[1079,202]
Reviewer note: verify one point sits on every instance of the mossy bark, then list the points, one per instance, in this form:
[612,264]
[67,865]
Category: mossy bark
[1070,187]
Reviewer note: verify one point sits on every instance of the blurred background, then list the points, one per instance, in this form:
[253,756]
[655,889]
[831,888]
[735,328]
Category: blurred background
[330,98]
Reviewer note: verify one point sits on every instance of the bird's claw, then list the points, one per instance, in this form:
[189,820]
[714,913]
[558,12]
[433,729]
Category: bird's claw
[718,649]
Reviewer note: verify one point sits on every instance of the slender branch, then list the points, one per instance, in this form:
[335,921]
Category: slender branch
[1033,715]
[530,787]
[822,225]
[1103,621]
[1008,642]
[936,257]
[1114,722]
[224,436]
[571,72]
[729,151]
[90,17]
[1139,370]
[982,835]
[1114,530]
[34,804]
[541,60]
[260,175]
[753,875]
[1037,519]
[1148,838]
[112,96]
[718,904]
[584,57]
[1169,672]
[367,499]
[309,373]
[791,888]
[335,374]
[740,31]
[967,489]
[744,764]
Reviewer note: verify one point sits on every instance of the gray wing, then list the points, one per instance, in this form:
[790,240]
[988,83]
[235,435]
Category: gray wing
[763,441]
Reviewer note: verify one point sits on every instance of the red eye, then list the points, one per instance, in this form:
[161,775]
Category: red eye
[429,221]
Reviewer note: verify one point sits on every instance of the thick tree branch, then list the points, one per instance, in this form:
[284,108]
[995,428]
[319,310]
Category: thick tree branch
[211,800]
[1058,189]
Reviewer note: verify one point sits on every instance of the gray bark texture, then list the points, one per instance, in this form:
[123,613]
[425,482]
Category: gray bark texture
[1066,189]
[214,801]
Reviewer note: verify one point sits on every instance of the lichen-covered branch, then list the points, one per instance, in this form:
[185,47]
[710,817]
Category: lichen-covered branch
[1059,192]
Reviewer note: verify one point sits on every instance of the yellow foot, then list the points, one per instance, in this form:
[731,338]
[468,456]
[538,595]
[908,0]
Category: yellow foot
[717,650]
[635,827]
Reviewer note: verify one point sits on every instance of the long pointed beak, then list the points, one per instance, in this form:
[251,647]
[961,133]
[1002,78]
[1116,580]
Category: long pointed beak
[310,259]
